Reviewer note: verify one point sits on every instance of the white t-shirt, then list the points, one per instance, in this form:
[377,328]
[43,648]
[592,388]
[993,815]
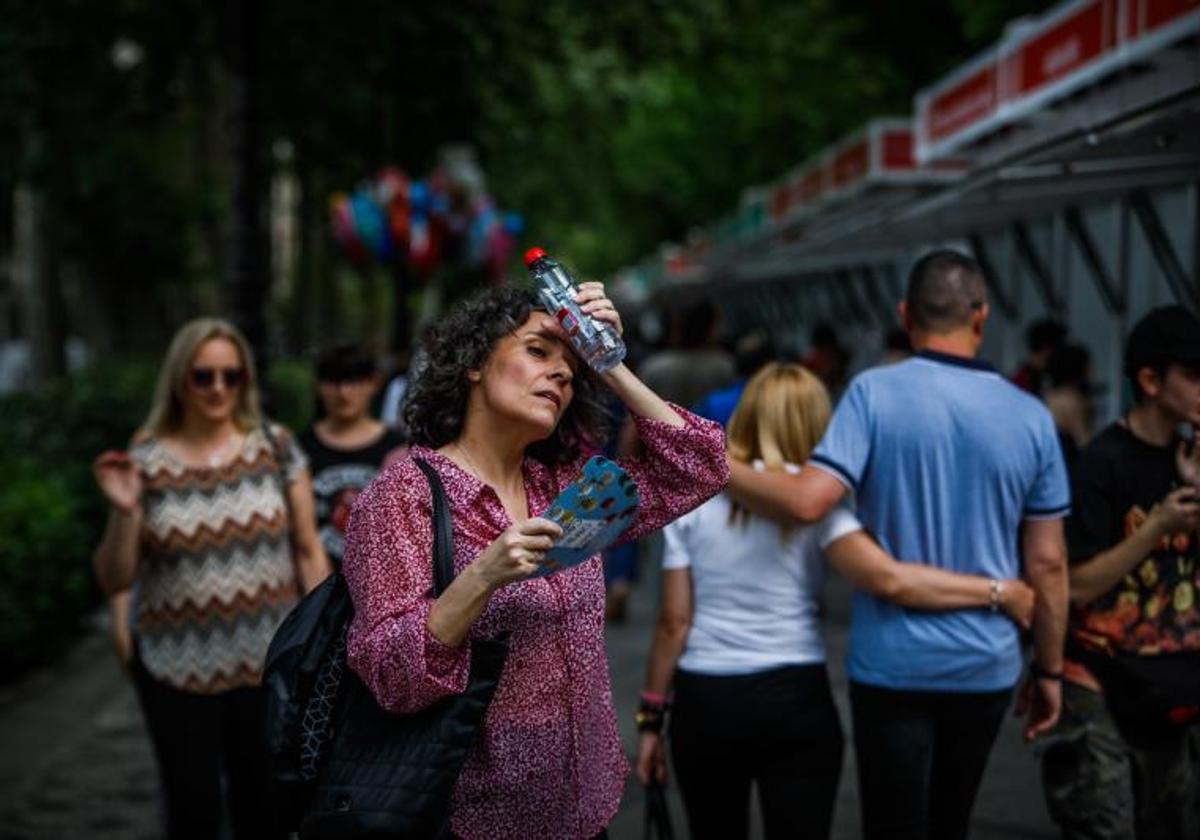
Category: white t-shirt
[754,590]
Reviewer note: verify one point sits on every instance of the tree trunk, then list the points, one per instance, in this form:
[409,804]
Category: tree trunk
[302,301]
[36,271]
[248,265]
[401,315]
[325,279]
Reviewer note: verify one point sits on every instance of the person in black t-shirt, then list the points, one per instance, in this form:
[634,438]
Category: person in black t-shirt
[1111,771]
[346,446]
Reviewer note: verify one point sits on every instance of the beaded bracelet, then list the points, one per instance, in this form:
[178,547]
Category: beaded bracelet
[995,590]
[652,712]
[650,720]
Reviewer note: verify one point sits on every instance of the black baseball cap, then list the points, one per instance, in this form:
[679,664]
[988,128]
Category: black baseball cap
[1163,336]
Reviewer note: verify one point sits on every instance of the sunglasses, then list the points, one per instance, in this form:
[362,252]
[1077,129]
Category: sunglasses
[206,377]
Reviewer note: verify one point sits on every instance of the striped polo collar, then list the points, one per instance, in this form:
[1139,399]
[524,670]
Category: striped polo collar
[958,361]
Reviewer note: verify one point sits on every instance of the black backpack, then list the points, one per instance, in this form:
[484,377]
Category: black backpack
[341,765]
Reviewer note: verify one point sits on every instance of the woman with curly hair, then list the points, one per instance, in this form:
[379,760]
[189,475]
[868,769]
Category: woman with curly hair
[507,414]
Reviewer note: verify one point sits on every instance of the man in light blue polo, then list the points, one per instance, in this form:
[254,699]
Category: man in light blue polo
[952,466]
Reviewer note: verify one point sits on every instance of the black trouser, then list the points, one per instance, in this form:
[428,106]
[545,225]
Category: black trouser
[921,757]
[197,737]
[778,729]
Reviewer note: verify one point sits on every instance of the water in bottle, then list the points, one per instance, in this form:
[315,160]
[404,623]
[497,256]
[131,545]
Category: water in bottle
[595,341]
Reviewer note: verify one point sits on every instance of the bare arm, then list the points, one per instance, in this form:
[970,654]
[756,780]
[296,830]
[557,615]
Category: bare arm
[636,395]
[670,631]
[806,497]
[865,564]
[119,605]
[639,398]
[457,608]
[312,564]
[115,560]
[1045,552]
[1046,568]
[1094,578]
[670,636]
[513,556]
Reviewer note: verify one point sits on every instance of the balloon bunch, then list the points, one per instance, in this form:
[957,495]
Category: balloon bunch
[424,223]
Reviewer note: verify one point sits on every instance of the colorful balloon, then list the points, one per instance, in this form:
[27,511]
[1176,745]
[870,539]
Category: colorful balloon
[425,223]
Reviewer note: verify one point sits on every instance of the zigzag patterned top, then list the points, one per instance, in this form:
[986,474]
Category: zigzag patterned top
[216,573]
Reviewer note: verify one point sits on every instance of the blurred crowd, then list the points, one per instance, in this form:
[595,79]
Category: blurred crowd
[982,520]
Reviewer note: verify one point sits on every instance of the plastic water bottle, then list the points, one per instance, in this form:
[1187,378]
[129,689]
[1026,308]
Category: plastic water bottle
[595,341]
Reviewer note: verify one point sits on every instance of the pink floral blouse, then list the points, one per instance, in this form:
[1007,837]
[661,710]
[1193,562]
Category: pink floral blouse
[549,762]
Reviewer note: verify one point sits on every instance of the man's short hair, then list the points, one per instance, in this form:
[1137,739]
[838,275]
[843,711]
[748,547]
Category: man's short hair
[698,320]
[945,288]
[1045,334]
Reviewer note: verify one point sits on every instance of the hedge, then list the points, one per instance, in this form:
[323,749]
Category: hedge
[52,515]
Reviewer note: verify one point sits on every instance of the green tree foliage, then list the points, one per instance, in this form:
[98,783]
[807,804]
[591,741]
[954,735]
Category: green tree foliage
[611,126]
[617,126]
[51,513]
[106,137]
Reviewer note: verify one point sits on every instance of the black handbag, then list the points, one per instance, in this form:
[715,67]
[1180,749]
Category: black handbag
[657,825]
[387,775]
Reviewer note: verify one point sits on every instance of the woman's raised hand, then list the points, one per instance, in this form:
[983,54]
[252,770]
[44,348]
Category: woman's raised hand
[119,478]
[593,300]
[1017,599]
[518,552]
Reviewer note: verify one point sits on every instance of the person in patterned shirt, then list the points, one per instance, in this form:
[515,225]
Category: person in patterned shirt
[211,516]
[507,415]
[1110,771]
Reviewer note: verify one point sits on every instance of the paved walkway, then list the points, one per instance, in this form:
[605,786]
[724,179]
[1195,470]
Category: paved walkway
[75,761]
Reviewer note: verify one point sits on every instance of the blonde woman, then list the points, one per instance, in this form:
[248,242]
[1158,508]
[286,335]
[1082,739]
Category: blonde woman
[739,633]
[211,516]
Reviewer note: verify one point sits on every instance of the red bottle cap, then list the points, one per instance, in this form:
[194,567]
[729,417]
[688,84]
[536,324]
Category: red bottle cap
[533,255]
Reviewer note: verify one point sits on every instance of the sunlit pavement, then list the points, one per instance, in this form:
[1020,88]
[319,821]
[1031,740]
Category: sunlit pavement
[75,761]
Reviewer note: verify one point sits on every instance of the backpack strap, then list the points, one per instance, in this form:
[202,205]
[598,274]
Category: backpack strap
[443,534]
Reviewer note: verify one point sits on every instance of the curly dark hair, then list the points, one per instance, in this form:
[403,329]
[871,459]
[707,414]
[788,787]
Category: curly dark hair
[462,341]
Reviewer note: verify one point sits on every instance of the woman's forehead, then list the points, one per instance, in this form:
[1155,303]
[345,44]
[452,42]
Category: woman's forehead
[217,349]
[539,321]
[544,326]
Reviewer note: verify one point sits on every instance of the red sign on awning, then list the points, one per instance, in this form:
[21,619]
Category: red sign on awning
[962,105]
[1145,16]
[1074,45]
[1087,33]
[851,164]
[898,150]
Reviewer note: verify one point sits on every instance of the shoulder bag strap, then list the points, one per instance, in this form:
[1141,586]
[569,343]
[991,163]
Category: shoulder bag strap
[443,534]
[280,470]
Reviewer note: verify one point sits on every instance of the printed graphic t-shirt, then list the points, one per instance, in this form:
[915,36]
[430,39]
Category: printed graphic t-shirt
[339,475]
[1153,609]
